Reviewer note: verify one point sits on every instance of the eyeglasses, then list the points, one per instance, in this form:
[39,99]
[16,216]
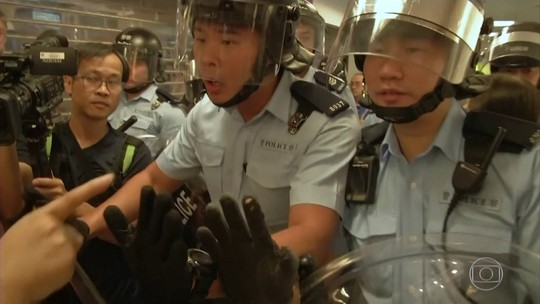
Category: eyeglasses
[94,83]
[355,83]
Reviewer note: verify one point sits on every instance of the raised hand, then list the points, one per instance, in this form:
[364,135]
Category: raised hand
[155,251]
[38,253]
[252,268]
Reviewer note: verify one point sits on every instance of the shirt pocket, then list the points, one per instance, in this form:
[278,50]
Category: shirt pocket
[369,224]
[211,157]
[272,171]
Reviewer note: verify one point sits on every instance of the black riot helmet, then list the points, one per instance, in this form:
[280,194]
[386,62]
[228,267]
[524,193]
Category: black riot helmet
[139,45]
[517,46]
[310,28]
[370,27]
[266,24]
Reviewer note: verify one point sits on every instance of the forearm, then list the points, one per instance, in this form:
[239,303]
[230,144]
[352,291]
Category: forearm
[11,202]
[303,239]
[127,198]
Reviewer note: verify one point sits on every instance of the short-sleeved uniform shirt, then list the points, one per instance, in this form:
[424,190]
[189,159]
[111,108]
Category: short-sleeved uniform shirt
[412,198]
[103,262]
[156,122]
[262,159]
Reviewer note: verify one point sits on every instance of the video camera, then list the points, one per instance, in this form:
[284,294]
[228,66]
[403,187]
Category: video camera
[31,85]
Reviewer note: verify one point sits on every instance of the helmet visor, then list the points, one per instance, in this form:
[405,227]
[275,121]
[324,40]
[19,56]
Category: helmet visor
[233,43]
[142,61]
[405,31]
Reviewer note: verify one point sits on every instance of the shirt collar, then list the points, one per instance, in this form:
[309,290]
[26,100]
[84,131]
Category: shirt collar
[447,139]
[146,95]
[280,102]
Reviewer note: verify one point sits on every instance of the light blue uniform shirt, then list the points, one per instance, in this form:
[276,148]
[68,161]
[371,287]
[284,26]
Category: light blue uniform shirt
[154,125]
[412,199]
[261,158]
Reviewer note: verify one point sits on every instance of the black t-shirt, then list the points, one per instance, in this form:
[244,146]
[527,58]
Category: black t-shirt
[103,262]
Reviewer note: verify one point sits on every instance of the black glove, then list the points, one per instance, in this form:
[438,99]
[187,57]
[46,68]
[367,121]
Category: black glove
[154,249]
[252,268]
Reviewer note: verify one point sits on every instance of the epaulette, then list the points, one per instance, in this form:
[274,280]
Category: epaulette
[311,97]
[329,81]
[166,96]
[520,134]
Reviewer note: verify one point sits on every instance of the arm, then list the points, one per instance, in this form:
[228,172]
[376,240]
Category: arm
[11,203]
[171,121]
[44,235]
[311,230]
[318,189]
[127,198]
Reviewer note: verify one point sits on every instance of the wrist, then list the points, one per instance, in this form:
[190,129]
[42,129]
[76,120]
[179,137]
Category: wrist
[11,290]
[95,222]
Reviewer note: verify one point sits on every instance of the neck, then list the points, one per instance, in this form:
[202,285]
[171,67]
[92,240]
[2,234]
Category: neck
[88,132]
[417,136]
[252,106]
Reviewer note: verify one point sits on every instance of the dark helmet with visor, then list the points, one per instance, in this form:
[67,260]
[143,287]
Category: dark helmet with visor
[139,44]
[309,16]
[453,26]
[269,19]
[517,46]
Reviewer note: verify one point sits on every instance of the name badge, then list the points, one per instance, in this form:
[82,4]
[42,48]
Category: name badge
[492,204]
[276,145]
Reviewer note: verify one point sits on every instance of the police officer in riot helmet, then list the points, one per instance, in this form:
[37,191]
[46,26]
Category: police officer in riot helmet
[310,28]
[517,51]
[412,54]
[158,116]
[251,114]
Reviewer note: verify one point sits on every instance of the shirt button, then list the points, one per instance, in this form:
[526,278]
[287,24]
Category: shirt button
[413,186]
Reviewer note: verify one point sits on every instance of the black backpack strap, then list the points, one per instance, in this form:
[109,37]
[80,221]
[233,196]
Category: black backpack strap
[312,97]
[125,159]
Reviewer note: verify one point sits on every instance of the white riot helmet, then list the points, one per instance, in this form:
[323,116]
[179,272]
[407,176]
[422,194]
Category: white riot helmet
[267,19]
[454,25]
[517,46]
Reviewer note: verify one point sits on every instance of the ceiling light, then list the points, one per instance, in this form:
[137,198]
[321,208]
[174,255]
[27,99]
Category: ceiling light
[503,23]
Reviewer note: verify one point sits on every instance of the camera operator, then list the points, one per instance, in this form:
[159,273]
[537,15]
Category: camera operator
[155,109]
[86,147]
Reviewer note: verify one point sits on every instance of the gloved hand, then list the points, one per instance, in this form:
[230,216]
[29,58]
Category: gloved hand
[154,249]
[252,268]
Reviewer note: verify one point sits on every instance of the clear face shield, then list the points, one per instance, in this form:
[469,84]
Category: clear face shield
[438,36]
[310,31]
[233,43]
[142,61]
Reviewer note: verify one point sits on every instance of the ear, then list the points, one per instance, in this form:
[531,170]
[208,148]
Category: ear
[68,84]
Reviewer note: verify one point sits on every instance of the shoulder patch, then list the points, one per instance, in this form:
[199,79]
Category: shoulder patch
[329,81]
[318,97]
[165,96]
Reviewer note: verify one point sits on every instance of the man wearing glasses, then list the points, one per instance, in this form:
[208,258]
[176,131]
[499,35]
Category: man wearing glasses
[87,147]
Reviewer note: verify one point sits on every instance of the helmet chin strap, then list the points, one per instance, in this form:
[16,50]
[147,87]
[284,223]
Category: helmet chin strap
[428,103]
[241,96]
[138,88]
[246,91]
